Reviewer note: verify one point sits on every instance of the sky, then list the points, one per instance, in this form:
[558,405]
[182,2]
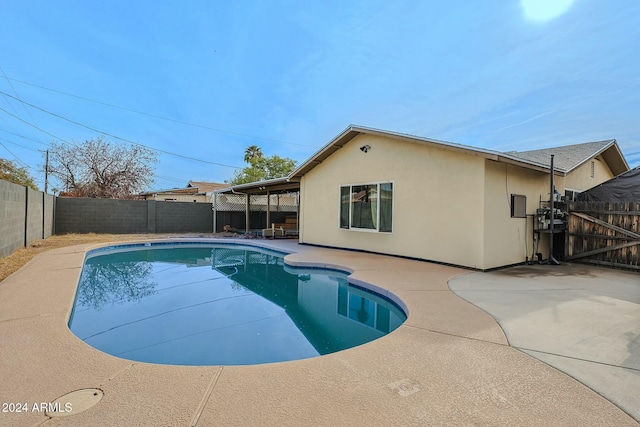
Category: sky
[200,81]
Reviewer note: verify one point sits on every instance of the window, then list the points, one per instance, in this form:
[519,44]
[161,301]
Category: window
[571,195]
[367,207]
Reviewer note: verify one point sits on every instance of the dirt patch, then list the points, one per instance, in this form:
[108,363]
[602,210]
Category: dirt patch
[13,262]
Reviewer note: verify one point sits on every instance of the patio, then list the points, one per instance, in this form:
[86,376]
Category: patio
[450,363]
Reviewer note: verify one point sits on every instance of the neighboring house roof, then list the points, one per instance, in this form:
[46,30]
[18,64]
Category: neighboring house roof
[171,191]
[193,187]
[609,149]
[207,187]
[570,157]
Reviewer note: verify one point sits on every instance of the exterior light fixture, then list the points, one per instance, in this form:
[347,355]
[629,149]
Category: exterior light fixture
[365,148]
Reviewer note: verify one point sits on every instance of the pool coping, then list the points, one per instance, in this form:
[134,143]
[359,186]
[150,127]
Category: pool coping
[449,363]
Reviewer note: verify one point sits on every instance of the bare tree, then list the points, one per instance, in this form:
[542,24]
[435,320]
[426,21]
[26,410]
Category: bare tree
[99,168]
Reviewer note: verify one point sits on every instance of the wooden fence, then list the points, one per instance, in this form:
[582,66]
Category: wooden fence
[604,233]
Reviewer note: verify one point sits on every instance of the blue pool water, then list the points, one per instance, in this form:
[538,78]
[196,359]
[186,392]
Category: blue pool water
[220,305]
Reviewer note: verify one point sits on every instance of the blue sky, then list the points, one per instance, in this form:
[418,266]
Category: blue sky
[206,79]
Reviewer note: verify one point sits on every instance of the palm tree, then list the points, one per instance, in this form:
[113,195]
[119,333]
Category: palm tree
[252,152]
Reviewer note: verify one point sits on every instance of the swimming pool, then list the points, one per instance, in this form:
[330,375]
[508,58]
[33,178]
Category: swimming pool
[220,304]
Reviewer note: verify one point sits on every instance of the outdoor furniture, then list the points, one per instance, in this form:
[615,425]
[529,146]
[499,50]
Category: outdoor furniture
[272,232]
[289,226]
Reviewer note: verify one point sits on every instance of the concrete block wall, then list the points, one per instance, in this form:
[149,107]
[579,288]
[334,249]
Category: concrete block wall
[84,215]
[12,217]
[183,217]
[24,216]
[27,215]
[35,211]
[49,212]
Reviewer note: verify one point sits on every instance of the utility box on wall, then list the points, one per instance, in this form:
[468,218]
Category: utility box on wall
[518,206]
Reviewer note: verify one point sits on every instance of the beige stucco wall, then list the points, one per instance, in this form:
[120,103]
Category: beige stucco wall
[580,179]
[509,240]
[438,200]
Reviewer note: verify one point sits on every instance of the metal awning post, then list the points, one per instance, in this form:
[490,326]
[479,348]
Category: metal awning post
[268,210]
[215,200]
[247,209]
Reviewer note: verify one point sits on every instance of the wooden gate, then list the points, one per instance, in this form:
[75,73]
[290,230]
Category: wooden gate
[604,233]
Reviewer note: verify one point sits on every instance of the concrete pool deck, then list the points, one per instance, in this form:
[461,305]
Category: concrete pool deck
[449,364]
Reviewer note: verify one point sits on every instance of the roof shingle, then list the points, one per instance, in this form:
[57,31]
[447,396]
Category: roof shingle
[567,157]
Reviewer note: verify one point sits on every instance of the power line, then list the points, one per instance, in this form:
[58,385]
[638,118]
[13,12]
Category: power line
[42,130]
[19,145]
[163,178]
[14,155]
[166,178]
[16,93]
[23,137]
[32,125]
[161,117]
[107,133]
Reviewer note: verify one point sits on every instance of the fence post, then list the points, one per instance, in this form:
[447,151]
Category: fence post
[54,201]
[26,214]
[44,213]
[151,216]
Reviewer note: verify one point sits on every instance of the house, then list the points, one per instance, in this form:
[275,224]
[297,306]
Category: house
[399,194]
[584,165]
[195,191]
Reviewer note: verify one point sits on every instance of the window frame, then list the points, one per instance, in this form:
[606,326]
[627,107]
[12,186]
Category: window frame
[574,194]
[349,213]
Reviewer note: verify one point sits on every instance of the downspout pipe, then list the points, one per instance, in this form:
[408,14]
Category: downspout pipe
[552,260]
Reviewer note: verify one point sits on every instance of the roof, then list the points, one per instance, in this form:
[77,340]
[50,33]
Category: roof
[570,157]
[577,154]
[193,187]
[566,158]
[188,190]
[260,187]
[207,187]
